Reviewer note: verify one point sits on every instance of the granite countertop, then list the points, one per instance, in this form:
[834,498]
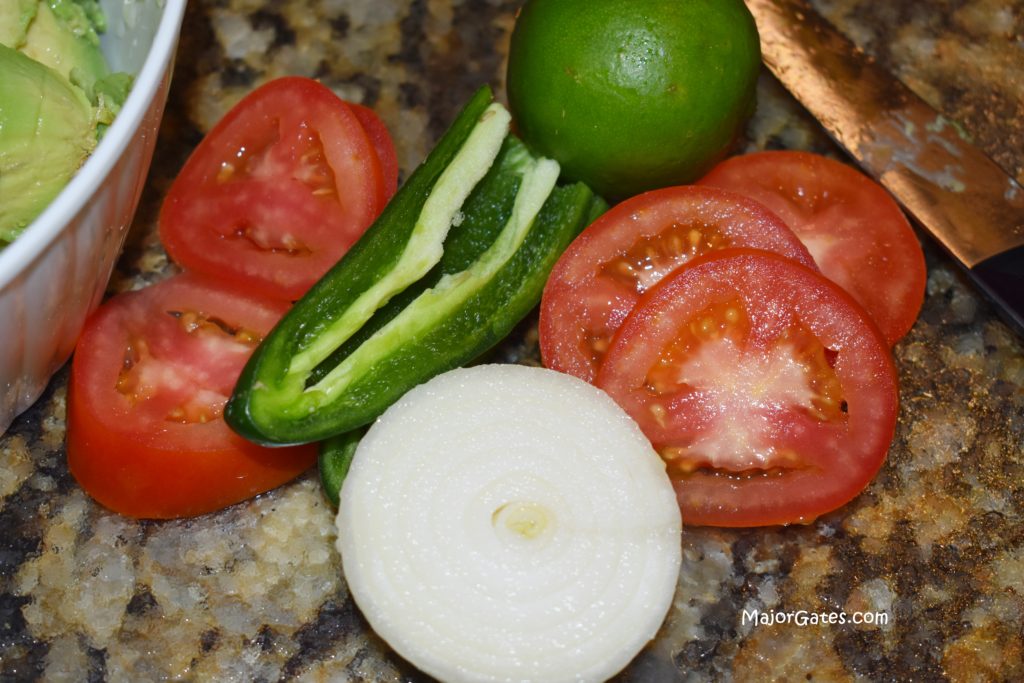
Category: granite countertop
[255,593]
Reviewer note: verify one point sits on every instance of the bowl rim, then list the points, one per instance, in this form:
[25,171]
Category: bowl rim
[20,254]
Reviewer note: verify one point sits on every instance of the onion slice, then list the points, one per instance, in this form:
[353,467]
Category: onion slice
[508,523]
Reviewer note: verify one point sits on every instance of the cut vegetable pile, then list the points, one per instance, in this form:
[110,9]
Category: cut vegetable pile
[154,368]
[457,258]
[718,354]
[506,523]
[767,388]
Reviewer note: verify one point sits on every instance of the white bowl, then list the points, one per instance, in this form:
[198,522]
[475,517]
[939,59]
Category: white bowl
[54,274]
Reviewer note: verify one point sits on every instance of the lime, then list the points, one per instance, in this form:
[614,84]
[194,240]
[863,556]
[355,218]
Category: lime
[630,96]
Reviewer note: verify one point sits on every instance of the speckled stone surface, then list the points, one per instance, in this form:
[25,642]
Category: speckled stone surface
[255,593]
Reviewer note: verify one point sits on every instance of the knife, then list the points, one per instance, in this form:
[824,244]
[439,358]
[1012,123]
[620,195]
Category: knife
[956,193]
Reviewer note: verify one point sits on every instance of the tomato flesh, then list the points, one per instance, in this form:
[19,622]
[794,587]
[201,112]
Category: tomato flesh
[602,274]
[277,191]
[770,395]
[853,228]
[149,380]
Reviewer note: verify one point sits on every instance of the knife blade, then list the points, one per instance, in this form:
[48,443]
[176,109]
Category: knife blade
[963,199]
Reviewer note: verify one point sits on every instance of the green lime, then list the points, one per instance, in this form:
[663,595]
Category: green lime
[630,96]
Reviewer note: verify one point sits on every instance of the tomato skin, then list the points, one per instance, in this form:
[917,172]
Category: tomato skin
[582,300]
[796,466]
[852,226]
[379,136]
[277,191]
[122,447]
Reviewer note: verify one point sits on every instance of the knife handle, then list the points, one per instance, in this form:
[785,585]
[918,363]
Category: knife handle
[1002,278]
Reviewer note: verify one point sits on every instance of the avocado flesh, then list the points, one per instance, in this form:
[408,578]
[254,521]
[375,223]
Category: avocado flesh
[47,129]
[15,18]
[44,133]
[65,40]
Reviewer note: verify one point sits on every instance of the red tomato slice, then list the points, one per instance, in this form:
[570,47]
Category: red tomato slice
[276,192]
[149,380]
[382,143]
[769,393]
[599,278]
[856,232]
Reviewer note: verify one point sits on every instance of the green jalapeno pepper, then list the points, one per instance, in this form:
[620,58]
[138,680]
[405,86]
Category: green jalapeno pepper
[334,459]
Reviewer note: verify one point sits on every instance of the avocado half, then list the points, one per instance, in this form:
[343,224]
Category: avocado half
[47,129]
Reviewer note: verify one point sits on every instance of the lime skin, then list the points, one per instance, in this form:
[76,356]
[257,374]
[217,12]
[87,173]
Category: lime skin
[632,95]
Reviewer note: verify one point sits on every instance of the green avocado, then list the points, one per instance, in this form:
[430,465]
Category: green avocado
[63,38]
[15,18]
[57,96]
[47,129]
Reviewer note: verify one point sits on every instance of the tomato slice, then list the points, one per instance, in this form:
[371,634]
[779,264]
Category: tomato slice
[767,390]
[382,143]
[599,278]
[856,232]
[149,380]
[276,192]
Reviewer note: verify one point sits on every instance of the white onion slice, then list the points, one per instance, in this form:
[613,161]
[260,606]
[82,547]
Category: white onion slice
[506,523]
